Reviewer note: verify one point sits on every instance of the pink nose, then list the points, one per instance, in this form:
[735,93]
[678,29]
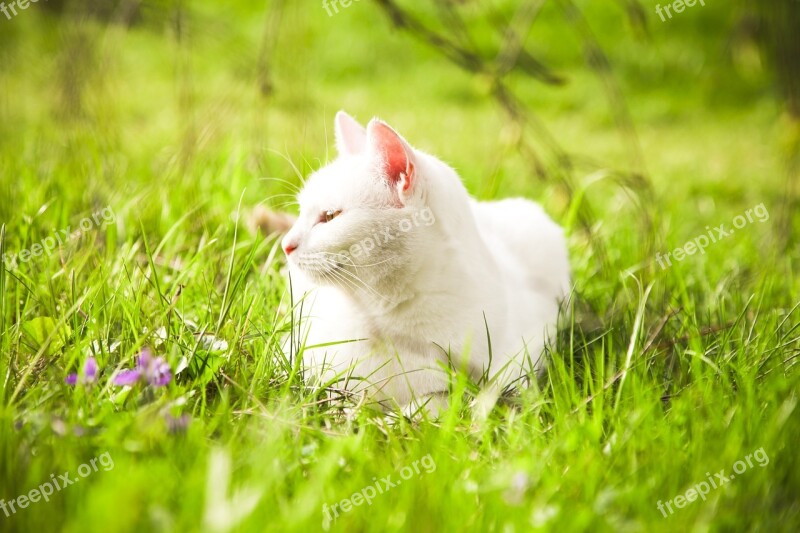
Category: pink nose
[289,248]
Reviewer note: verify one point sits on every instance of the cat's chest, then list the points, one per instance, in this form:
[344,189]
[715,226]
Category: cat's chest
[407,326]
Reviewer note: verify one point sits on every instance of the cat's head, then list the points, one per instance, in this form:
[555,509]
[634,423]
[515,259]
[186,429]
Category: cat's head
[363,216]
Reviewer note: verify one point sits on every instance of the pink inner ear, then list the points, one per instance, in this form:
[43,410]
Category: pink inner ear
[392,153]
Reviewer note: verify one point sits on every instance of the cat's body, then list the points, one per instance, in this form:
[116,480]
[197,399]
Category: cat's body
[393,255]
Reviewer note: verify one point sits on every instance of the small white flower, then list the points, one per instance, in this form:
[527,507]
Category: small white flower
[213,344]
[101,346]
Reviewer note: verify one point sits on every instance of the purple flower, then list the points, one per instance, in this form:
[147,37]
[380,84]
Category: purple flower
[88,373]
[90,369]
[127,377]
[155,371]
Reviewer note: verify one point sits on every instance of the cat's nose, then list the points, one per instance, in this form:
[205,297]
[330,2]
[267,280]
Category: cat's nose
[290,243]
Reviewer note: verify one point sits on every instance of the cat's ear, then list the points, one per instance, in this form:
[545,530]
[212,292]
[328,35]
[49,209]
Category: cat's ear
[393,157]
[351,137]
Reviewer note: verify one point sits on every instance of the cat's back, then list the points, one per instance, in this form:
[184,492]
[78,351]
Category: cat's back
[526,243]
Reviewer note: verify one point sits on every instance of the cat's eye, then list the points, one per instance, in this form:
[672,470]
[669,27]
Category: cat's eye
[330,214]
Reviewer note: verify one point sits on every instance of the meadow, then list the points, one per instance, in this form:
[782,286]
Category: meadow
[670,399]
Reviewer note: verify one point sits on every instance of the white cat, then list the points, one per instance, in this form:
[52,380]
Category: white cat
[402,273]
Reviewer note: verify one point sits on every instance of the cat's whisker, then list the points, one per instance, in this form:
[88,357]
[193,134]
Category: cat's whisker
[338,258]
[319,164]
[340,281]
[352,263]
[326,276]
[367,265]
[282,195]
[337,278]
[265,203]
[293,186]
[356,279]
[335,267]
[355,287]
[284,205]
[291,163]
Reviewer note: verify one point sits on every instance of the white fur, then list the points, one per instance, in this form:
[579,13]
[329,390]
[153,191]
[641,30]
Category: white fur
[428,291]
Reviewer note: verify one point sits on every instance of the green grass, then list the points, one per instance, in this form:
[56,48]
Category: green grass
[661,377]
